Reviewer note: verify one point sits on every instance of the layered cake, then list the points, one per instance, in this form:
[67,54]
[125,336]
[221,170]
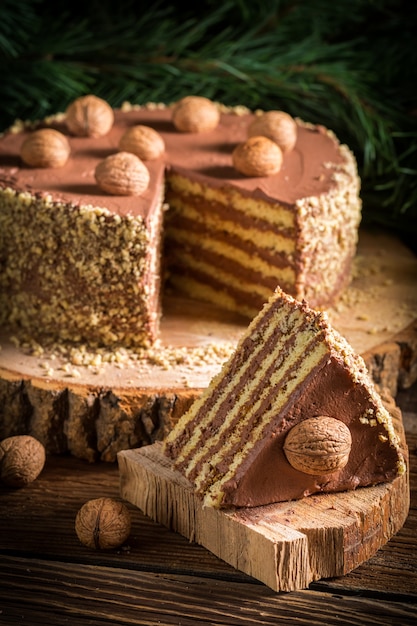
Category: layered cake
[82,236]
[292,413]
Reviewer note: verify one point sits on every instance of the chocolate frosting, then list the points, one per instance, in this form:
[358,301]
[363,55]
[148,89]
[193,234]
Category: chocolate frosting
[306,170]
[266,476]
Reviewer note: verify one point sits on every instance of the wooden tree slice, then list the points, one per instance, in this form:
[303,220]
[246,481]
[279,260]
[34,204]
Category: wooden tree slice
[118,400]
[287,545]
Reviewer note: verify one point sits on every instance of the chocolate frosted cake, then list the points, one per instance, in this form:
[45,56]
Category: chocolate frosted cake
[81,235]
[292,413]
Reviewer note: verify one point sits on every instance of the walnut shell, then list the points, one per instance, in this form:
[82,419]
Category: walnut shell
[89,116]
[103,523]
[143,141]
[122,174]
[258,156]
[195,114]
[318,445]
[278,126]
[45,147]
[22,459]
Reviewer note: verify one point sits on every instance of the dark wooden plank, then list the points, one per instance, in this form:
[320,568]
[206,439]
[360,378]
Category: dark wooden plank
[39,521]
[36,592]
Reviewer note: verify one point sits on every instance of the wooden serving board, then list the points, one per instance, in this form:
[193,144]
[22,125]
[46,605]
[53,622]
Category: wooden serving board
[287,545]
[118,400]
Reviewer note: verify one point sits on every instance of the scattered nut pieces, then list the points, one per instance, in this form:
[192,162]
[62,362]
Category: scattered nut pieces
[89,116]
[45,147]
[122,174]
[143,141]
[258,156]
[195,114]
[103,524]
[318,445]
[22,458]
[278,126]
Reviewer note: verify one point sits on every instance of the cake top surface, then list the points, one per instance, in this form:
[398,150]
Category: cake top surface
[308,170]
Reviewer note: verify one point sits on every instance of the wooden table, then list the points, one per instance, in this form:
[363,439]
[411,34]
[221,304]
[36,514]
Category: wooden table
[158,577]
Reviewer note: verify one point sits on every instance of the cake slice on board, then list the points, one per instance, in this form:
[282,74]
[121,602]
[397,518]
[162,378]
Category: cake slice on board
[292,413]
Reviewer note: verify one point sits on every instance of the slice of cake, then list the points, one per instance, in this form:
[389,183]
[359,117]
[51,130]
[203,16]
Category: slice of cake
[292,413]
[81,244]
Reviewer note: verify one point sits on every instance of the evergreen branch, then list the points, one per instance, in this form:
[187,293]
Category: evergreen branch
[345,65]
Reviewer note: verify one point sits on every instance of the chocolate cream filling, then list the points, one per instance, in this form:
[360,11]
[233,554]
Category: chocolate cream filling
[197,232]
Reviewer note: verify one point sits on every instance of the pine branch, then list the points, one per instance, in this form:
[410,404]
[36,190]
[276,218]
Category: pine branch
[346,65]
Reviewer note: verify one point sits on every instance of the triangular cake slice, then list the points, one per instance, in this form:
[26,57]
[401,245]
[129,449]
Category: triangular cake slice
[292,413]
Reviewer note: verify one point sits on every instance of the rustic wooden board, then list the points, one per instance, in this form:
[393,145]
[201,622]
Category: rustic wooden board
[97,409]
[286,546]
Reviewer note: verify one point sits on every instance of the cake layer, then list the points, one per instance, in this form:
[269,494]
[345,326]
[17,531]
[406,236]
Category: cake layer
[235,259]
[290,366]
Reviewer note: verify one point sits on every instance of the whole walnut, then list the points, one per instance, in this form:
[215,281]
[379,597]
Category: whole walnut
[22,458]
[195,114]
[122,174]
[277,126]
[318,445]
[89,116]
[143,141]
[103,523]
[257,156]
[45,148]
